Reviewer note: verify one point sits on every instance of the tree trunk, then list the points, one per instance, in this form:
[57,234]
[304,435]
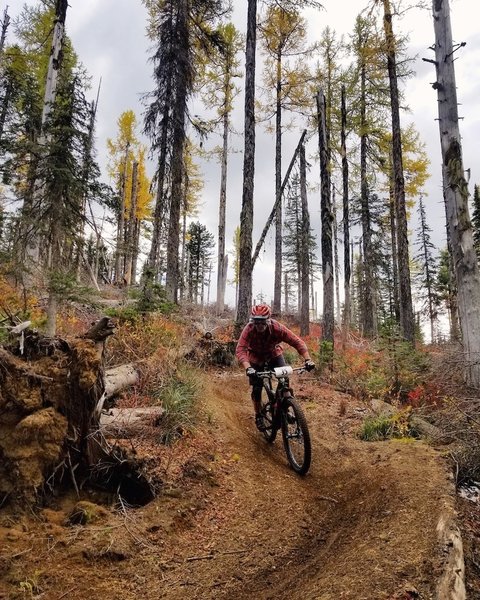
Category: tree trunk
[456,194]
[326,218]
[407,322]
[335,258]
[246,216]
[87,159]
[5,105]
[368,304]
[183,274]
[259,245]
[119,378]
[286,290]
[130,241]
[161,212]
[177,163]
[452,292]
[120,249]
[346,221]
[5,24]
[222,258]
[136,249]
[277,286]
[55,59]
[54,63]
[305,266]
[393,235]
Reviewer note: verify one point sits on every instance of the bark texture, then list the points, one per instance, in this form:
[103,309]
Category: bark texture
[327,224]
[407,323]
[346,219]
[304,282]
[368,299]
[456,194]
[277,287]
[222,258]
[246,216]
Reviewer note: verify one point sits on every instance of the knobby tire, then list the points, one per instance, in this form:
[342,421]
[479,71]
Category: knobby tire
[296,436]
[270,433]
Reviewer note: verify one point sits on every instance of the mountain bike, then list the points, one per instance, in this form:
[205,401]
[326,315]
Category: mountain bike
[280,410]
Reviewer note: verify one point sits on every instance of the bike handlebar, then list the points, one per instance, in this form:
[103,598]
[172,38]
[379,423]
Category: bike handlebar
[280,372]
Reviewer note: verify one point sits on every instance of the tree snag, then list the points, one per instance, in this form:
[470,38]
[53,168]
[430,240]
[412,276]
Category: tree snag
[50,433]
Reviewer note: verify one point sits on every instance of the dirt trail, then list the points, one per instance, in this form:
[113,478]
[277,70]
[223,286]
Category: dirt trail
[361,525]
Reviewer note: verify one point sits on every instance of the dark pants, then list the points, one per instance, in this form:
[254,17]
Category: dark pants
[256,383]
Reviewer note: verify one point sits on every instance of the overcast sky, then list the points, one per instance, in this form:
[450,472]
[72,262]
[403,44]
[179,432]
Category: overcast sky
[109,38]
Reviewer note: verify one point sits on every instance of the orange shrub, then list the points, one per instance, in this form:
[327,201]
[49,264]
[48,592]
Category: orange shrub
[17,303]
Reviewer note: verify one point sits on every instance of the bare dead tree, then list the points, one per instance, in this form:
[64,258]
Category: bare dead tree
[327,222]
[456,193]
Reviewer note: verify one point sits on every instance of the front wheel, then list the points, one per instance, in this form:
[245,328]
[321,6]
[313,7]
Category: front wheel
[296,437]
[270,431]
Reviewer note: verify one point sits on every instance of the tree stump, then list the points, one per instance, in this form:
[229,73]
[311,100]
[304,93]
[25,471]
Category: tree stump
[50,390]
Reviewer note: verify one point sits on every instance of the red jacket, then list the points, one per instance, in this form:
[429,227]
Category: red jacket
[258,347]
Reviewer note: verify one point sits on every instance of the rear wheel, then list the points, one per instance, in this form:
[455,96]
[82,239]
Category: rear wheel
[296,437]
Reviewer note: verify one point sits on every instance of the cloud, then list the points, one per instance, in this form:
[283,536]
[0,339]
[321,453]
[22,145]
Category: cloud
[109,38]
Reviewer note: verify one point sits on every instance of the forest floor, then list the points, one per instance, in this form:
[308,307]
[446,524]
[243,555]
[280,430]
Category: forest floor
[234,521]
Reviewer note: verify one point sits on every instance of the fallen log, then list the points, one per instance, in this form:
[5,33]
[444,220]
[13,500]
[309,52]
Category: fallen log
[118,378]
[129,422]
[425,429]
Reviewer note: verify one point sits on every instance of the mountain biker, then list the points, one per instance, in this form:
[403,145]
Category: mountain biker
[259,348]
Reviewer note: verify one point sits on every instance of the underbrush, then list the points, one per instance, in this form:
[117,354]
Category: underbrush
[17,306]
[457,420]
[180,400]
[154,342]
[384,427]
[177,389]
[140,338]
[394,372]
[424,382]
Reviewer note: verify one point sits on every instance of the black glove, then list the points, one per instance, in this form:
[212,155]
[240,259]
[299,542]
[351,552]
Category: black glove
[250,372]
[309,365]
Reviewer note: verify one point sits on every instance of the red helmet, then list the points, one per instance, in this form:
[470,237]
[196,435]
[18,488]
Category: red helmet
[261,312]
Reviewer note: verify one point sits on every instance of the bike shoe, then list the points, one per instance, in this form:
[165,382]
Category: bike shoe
[260,423]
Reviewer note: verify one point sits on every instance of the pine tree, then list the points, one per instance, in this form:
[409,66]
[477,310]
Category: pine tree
[63,186]
[407,324]
[123,152]
[192,187]
[183,31]
[283,35]
[367,122]
[293,250]
[446,290]
[219,91]
[246,215]
[428,270]
[199,245]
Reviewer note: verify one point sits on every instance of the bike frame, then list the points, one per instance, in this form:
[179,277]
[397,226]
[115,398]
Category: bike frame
[277,395]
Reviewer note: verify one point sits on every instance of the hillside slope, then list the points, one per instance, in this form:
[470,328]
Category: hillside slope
[236,522]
